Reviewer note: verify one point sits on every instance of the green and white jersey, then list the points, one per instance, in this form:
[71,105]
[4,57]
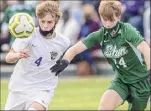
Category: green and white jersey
[120,52]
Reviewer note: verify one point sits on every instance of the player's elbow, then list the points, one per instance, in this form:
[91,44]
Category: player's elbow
[9,59]
[143,48]
[146,51]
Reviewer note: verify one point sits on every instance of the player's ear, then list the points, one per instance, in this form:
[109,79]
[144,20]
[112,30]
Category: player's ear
[59,14]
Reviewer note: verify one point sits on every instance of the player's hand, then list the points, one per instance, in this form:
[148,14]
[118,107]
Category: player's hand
[59,66]
[23,54]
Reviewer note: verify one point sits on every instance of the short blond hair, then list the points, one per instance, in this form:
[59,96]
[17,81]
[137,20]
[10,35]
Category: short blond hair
[110,8]
[48,7]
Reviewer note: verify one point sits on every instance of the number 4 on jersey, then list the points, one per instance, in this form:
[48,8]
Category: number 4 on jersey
[38,61]
[120,62]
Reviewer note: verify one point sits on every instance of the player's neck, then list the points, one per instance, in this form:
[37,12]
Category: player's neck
[50,36]
[114,31]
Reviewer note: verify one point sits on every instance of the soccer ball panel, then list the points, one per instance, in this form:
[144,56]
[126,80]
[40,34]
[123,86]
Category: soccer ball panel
[21,25]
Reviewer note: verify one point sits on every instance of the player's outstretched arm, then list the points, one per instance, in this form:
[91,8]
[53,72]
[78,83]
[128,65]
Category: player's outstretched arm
[13,56]
[74,50]
[68,56]
[145,50]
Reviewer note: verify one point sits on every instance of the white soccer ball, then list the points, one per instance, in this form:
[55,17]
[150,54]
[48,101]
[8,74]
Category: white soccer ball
[21,25]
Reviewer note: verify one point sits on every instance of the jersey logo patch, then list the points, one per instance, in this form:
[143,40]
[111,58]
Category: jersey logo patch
[53,55]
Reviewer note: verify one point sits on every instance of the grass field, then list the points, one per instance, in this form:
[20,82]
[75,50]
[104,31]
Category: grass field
[74,94]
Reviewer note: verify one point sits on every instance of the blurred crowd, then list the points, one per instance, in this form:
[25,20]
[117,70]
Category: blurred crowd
[79,18]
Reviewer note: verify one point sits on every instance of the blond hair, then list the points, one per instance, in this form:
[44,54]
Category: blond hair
[48,7]
[108,9]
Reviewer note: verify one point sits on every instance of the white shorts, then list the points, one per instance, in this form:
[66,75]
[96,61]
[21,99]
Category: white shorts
[23,100]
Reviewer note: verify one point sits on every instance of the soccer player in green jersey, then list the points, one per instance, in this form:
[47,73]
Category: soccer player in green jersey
[119,42]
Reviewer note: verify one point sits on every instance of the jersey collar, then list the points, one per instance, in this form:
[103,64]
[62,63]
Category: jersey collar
[113,31]
[119,32]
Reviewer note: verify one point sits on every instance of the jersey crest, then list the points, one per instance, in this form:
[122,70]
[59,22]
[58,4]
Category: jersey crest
[53,55]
